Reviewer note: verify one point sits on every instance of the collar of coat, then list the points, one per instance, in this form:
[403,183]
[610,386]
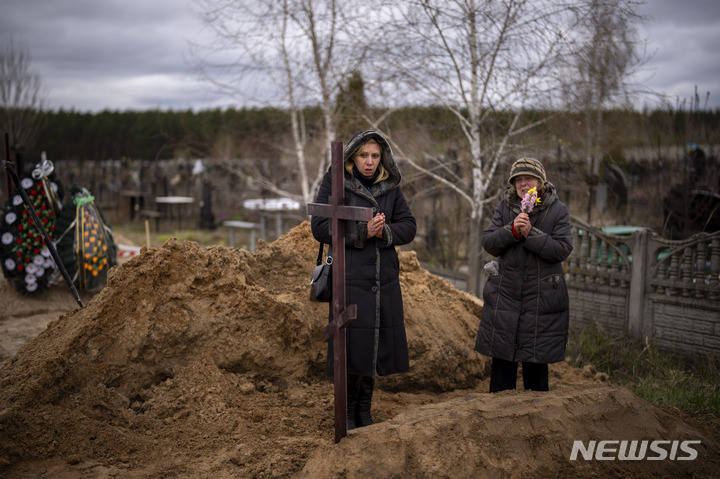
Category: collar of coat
[513,200]
[354,185]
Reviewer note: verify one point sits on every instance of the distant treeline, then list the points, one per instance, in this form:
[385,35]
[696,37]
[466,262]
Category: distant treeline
[156,134]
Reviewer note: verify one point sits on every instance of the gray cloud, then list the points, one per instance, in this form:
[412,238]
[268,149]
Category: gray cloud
[684,37]
[132,54]
[111,54]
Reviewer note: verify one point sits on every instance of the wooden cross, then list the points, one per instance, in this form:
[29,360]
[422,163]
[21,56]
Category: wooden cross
[342,315]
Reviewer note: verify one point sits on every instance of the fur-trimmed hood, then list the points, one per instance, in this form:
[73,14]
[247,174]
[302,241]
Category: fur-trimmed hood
[387,161]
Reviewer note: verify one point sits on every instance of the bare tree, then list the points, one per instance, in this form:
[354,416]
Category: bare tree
[291,53]
[595,76]
[21,95]
[484,61]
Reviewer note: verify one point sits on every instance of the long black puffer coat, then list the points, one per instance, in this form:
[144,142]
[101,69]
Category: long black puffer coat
[375,341]
[526,312]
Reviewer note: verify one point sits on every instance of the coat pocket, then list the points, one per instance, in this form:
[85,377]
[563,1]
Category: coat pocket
[553,294]
[490,291]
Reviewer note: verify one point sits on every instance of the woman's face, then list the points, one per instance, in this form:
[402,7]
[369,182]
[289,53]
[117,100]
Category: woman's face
[368,159]
[523,183]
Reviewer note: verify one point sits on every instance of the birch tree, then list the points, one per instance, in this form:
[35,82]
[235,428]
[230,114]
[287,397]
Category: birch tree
[606,53]
[287,53]
[484,61]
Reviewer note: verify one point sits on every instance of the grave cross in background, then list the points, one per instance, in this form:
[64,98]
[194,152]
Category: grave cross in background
[342,315]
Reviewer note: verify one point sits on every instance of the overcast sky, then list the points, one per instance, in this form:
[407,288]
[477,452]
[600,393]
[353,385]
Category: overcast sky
[134,54]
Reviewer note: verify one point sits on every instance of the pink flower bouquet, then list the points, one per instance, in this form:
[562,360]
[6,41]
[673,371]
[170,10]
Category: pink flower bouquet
[531,199]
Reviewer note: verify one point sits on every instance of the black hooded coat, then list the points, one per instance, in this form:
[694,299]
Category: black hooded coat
[375,341]
[525,316]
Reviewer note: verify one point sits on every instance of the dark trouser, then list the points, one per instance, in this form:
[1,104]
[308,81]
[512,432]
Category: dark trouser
[504,375]
[359,401]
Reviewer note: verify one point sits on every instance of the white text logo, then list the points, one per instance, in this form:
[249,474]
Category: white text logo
[658,450]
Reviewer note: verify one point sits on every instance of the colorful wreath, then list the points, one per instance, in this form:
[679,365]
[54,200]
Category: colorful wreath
[85,242]
[26,259]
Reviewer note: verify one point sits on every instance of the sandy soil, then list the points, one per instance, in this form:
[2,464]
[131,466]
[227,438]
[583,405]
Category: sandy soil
[208,362]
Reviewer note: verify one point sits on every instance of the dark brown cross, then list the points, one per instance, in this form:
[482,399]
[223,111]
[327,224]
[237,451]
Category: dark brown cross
[342,315]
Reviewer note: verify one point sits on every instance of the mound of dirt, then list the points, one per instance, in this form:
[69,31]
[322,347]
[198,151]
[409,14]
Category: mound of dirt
[197,362]
[518,434]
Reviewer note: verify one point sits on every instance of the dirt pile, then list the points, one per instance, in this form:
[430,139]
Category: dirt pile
[520,434]
[184,340]
[208,362]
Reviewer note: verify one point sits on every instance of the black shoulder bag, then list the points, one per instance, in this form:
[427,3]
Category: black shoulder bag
[321,281]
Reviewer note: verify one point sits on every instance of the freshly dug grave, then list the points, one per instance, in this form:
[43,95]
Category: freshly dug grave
[199,362]
[523,434]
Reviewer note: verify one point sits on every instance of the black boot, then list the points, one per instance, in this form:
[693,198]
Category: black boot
[503,375]
[364,402]
[353,390]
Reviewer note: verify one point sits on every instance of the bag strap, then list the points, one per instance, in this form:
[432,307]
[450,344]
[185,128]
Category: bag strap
[319,258]
[320,252]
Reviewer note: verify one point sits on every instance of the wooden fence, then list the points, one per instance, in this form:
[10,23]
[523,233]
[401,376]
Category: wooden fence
[646,287]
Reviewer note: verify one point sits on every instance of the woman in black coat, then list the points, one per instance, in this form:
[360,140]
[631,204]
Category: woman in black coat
[376,341]
[526,311]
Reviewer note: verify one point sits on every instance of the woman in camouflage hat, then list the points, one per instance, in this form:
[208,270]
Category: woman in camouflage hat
[526,312]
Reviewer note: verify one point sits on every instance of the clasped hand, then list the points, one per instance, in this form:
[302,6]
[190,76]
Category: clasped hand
[375,226]
[522,224]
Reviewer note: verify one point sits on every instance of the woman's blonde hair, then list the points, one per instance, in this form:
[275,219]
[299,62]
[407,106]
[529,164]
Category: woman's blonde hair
[350,162]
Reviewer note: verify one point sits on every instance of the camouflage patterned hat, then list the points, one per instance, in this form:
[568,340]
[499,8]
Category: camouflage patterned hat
[527,166]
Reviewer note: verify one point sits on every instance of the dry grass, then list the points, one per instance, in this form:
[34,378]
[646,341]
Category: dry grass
[691,384]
